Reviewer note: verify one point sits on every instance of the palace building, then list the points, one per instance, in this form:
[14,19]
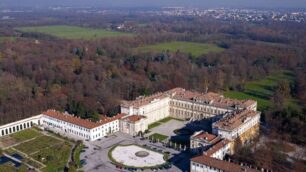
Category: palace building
[232,117]
[82,128]
[205,163]
[133,124]
[184,104]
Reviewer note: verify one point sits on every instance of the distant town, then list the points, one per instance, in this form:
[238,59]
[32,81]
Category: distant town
[226,14]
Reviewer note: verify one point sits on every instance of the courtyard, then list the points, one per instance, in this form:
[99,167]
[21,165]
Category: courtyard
[136,156]
[96,158]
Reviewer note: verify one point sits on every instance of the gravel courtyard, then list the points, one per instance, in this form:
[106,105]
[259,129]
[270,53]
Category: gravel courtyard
[168,127]
[130,157]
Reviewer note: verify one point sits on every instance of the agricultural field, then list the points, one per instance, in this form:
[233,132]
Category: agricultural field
[4,38]
[38,149]
[192,48]
[262,90]
[73,32]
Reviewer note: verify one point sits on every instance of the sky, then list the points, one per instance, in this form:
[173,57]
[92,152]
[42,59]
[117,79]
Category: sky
[157,3]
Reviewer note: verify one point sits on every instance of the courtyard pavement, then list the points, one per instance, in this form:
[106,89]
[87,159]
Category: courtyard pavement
[168,127]
[96,155]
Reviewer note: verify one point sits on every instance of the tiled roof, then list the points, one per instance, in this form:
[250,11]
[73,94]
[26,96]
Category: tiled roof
[222,165]
[235,120]
[143,100]
[213,99]
[205,136]
[78,121]
[222,143]
[134,118]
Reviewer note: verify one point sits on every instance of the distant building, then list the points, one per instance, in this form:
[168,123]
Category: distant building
[133,124]
[205,163]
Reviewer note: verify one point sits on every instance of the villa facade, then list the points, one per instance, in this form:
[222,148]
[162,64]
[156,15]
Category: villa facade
[136,115]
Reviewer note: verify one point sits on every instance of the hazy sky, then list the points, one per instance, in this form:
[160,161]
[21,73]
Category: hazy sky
[158,3]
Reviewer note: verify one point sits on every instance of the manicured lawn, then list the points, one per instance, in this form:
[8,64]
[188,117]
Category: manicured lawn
[153,125]
[37,144]
[167,119]
[195,49]
[52,152]
[73,32]
[55,157]
[262,90]
[157,136]
[25,135]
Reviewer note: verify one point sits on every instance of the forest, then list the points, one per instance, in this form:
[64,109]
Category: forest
[90,77]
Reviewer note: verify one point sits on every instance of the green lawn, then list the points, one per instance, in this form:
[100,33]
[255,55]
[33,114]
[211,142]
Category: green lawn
[262,90]
[25,135]
[9,38]
[195,49]
[167,119]
[7,167]
[157,136]
[77,153]
[153,125]
[55,157]
[51,151]
[73,32]
[37,144]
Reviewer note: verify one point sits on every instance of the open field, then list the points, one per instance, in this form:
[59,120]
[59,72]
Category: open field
[73,32]
[2,38]
[39,149]
[195,49]
[262,90]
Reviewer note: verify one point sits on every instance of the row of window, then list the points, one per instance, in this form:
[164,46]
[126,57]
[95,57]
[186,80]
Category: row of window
[66,130]
[199,108]
[69,124]
[16,128]
[206,167]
